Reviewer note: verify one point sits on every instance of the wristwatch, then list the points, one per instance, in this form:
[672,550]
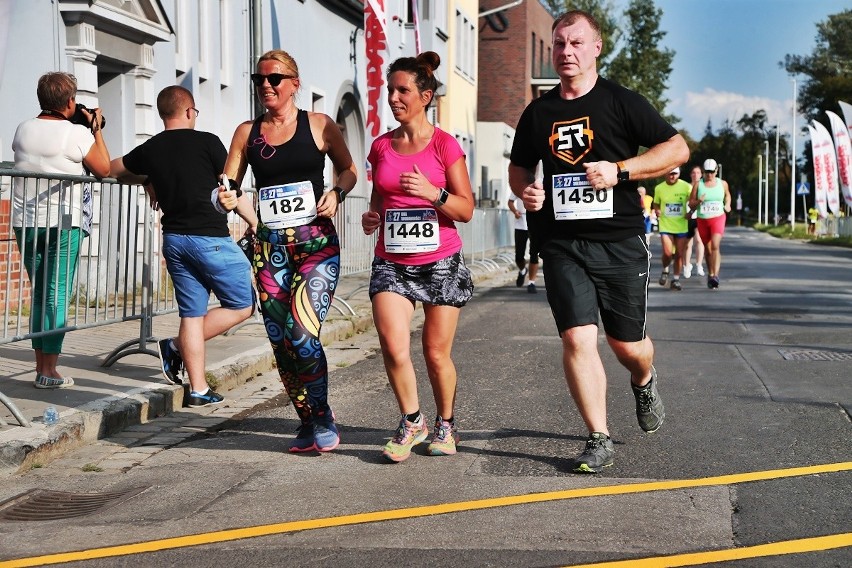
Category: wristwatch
[341,195]
[443,195]
[623,174]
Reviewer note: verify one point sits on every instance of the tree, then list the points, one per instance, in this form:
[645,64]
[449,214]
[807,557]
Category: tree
[641,65]
[828,72]
[737,146]
[828,69]
[600,10]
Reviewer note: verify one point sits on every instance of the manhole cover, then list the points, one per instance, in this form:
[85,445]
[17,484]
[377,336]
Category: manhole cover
[44,505]
[812,355]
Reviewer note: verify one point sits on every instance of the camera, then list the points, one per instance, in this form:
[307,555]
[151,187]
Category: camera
[79,118]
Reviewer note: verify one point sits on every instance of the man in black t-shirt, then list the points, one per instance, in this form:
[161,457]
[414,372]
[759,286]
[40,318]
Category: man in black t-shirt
[183,166]
[588,219]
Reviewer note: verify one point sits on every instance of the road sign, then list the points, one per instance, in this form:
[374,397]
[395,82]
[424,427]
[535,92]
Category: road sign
[803,188]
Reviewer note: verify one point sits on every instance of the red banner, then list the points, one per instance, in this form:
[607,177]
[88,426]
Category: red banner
[376,43]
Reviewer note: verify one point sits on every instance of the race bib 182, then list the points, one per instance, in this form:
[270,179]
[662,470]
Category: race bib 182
[288,205]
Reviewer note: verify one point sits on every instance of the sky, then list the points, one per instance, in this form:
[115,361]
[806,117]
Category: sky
[727,57]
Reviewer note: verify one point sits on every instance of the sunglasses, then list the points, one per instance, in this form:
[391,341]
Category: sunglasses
[273,78]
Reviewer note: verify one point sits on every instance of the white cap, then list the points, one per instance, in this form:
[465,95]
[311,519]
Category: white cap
[710,165]
[675,170]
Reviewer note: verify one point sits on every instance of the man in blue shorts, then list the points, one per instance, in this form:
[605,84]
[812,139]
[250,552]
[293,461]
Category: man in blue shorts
[588,218]
[671,204]
[183,165]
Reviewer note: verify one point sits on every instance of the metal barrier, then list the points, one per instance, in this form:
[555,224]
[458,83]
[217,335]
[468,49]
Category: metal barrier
[832,226]
[121,274]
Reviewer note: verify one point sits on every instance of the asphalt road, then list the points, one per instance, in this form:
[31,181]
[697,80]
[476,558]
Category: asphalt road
[754,457]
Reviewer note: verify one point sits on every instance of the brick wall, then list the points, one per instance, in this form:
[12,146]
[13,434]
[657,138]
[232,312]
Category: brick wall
[505,58]
[10,263]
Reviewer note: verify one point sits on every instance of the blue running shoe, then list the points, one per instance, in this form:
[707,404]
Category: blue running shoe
[326,435]
[304,441]
[197,400]
[170,361]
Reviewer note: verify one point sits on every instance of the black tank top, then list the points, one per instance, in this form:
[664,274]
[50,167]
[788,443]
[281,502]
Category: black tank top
[296,160]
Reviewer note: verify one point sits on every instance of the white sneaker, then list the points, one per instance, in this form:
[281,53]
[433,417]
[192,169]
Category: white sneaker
[687,271]
[700,270]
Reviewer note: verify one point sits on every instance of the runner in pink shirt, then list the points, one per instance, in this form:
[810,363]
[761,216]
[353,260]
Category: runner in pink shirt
[420,189]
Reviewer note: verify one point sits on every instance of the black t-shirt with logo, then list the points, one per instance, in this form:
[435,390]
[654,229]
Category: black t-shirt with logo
[608,123]
[183,165]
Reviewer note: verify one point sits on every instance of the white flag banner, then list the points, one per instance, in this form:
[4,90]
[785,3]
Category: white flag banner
[846,109]
[825,150]
[819,178]
[843,148]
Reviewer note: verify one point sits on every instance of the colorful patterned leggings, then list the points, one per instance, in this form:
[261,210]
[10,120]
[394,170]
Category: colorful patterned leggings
[296,271]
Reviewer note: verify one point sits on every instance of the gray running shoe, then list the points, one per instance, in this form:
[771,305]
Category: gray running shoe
[597,454]
[664,278]
[676,286]
[649,407]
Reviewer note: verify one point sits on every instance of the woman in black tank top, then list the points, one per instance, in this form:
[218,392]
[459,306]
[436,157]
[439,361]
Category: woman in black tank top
[296,256]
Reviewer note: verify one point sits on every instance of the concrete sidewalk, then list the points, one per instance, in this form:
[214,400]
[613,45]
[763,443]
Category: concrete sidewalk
[105,401]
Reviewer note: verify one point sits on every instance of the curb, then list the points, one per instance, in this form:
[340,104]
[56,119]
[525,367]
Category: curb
[109,416]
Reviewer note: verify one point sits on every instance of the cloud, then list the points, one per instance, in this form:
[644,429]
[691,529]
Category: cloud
[695,109]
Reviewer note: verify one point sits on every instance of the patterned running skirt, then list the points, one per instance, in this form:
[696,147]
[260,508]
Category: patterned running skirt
[447,282]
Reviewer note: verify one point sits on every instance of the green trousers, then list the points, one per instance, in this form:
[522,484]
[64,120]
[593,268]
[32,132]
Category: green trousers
[50,257]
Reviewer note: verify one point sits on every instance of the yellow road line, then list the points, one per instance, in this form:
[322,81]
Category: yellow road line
[797,546]
[415,512]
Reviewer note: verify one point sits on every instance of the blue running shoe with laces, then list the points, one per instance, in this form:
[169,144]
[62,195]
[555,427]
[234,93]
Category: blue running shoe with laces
[197,400]
[326,435]
[170,361]
[304,440]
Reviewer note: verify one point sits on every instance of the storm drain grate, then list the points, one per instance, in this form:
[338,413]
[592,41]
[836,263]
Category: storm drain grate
[812,355]
[44,505]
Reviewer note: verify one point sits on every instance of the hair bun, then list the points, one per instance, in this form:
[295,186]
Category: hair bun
[429,59]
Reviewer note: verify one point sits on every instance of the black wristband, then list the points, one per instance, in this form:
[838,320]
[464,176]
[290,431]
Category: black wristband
[341,194]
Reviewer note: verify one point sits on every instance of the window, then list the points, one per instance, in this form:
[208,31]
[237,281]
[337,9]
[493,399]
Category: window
[224,40]
[438,12]
[465,55]
[532,60]
[181,34]
[202,30]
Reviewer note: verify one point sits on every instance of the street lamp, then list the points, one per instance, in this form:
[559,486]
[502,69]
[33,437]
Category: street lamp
[766,184]
[793,166]
[776,175]
[759,187]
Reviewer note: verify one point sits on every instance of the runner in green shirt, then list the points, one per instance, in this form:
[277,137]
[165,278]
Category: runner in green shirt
[670,205]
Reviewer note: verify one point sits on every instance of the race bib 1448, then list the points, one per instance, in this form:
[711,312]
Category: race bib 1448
[411,230]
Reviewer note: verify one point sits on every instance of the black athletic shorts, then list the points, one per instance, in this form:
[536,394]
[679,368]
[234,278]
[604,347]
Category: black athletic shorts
[587,279]
[692,224]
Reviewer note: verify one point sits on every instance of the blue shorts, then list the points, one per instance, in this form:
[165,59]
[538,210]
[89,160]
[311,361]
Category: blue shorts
[200,265]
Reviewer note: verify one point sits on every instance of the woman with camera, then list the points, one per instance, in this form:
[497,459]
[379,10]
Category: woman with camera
[50,218]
